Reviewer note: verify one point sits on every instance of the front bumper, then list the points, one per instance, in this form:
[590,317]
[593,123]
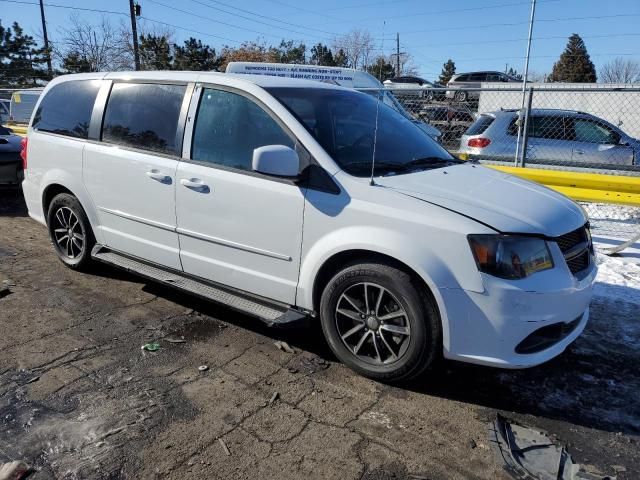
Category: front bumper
[489,328]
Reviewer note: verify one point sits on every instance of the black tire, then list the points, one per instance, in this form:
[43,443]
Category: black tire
[461,96]
[424,342]
[64,211]
[429,97]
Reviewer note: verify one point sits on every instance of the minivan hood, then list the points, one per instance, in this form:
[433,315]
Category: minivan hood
[504,202]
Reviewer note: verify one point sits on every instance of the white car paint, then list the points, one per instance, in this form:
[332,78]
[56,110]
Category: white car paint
[271,238]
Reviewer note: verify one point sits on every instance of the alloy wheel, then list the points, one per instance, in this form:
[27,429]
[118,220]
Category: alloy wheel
[372,323]
[68,233]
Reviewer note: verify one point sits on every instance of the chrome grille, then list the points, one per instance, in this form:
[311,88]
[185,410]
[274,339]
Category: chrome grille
[576,248]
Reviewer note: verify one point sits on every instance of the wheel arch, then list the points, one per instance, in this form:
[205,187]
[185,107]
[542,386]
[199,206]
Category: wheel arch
[56,187]
[334,263]
[337,260]
[50,192]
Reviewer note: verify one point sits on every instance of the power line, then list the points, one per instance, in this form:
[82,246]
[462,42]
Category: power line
[211,19]
[442,12]
[53,5]
[189,30]
[295,7]
[266,17]
[513,24]
[554,37]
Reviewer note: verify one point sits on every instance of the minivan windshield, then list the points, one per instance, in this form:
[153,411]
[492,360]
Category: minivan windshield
[344,123]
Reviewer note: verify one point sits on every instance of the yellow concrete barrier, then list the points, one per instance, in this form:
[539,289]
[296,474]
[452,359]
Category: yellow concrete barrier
[585,187]
[18,129]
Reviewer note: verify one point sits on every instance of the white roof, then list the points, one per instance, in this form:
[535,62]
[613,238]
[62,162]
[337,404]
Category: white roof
[205,77]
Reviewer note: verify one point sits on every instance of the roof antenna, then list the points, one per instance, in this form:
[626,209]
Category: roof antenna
[380,93]
[375,141]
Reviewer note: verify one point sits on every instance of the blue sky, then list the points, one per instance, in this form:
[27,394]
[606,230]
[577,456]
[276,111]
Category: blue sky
[476,34]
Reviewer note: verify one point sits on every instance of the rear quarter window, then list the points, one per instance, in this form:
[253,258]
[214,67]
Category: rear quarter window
[144,116]
[66,108]
[480,125]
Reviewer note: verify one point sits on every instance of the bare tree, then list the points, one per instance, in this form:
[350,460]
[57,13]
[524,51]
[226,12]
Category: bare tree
[99,47]
[620,70]
[357,45]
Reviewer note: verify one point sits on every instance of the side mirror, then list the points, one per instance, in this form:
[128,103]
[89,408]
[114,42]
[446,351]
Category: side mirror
[277,160]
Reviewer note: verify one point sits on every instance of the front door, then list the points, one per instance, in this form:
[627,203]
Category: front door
[595,142]
[130,174]
[548,142]
[237,227]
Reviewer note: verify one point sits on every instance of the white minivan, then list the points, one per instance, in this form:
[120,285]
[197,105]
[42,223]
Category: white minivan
[293,200]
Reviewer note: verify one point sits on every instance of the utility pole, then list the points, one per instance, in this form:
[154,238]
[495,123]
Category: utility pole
[134,10]
[524,85]
[46,40]
[397,54]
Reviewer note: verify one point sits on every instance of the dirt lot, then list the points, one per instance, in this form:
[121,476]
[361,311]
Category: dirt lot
[80,399]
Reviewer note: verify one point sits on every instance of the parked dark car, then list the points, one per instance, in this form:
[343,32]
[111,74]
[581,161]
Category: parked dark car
[10,160]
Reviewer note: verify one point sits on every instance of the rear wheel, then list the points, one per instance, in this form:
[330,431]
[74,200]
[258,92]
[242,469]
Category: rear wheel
[70,231]
[380,322]
[461,96]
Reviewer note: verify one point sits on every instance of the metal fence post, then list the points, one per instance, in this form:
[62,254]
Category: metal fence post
[525,133]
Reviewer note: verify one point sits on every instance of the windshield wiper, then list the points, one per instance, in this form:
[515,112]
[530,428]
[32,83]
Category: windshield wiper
[432,161]
[381,165]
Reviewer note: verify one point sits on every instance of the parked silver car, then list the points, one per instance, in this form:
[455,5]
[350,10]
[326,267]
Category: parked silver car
[554,136]
[459,82]
[415,87]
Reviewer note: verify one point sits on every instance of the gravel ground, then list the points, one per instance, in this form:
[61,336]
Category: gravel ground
[80,399]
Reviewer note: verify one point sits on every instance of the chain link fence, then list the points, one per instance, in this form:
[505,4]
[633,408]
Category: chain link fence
[572,128]
[16,105]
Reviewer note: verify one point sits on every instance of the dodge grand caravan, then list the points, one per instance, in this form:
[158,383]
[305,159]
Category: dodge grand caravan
[290,199]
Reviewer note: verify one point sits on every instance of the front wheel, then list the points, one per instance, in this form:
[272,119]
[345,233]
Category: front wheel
[380,322]
[70,231]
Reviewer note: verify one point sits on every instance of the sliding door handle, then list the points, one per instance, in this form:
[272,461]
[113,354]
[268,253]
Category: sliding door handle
[195,184]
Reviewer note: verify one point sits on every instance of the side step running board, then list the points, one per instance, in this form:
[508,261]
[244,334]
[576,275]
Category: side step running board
[271,313]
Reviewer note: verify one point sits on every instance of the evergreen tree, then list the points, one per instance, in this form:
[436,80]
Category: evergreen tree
[194,55]
[574,64]
[514,73]
[155,53]
[21,60]
[74,62]
[321,55]
[340,58]
[448,71]
[288,52]
[381,69]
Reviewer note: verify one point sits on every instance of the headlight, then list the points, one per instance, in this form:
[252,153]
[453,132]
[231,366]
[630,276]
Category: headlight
[510,256]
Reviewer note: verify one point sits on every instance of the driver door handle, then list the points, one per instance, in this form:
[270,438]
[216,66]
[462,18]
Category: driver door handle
[195,184]
[160,177]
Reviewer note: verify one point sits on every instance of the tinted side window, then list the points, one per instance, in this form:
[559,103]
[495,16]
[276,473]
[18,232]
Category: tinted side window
[462,78]
[144,116]
[480,125]
[589,131]
[230,126]
[66,108]
[550,127]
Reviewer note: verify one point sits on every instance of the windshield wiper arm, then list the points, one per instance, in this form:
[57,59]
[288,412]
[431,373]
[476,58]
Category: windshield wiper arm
[427,161]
